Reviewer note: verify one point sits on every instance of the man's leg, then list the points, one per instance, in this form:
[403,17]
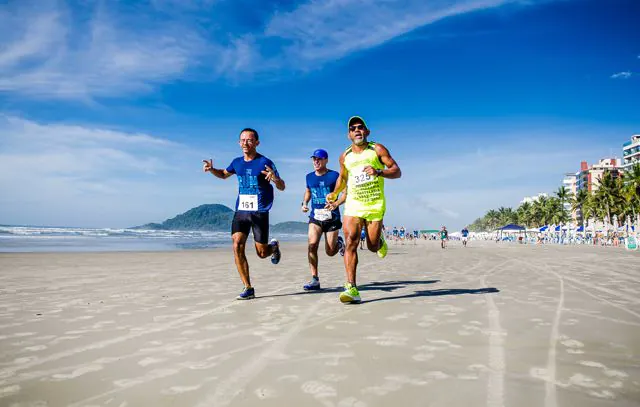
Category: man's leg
[239,243]
[351,229]
[374,230]
[315,233]
[331,245]
[260,227]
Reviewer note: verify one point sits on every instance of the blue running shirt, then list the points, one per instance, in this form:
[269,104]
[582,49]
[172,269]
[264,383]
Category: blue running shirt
[320,186]
[255,193]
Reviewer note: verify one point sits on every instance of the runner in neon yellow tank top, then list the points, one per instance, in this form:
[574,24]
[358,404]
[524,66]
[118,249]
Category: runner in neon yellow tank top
[363,168]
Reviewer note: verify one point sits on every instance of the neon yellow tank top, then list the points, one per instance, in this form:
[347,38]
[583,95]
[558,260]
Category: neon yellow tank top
[365,193]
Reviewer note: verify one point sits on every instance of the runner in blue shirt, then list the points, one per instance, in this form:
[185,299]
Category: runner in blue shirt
[255,174]
[324,218]
[465,236]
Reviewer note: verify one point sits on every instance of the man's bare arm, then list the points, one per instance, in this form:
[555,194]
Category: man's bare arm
[392,171]
[341,183]
[219,173]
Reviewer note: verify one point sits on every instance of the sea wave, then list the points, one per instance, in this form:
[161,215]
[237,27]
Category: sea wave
[43,232]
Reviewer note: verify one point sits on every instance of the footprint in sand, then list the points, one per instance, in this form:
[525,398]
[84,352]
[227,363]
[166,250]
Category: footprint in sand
[175,390]
[77,372]
[423,357]
[604,394]
[581,380]
[150,361]
[389,339]
[318,389]
[351,402]
[335,378]
[573,346]
[265,393]
[9,390]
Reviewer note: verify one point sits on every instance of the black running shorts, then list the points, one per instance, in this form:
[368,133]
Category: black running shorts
[244,221]
[327,226]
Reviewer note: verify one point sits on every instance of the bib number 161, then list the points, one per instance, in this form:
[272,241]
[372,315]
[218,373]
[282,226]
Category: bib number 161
[248,203]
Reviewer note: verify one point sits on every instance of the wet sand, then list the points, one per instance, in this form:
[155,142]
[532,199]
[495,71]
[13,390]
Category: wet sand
[493,324]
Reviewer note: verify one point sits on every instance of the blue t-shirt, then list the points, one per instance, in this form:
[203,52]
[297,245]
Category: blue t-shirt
[251,183]
[465,233]
[320,186]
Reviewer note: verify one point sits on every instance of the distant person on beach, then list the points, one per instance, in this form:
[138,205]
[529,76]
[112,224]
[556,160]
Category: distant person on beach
[465,236]
[444,237]
[395,233]
[255,174]
[363,235]
[363,167]
[324,217]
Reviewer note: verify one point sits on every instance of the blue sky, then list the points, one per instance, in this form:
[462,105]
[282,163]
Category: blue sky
[107,108]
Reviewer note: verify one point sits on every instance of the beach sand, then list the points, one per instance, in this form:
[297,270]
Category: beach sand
[493,324]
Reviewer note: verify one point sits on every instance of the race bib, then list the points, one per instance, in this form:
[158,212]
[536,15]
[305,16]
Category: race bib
[248,202]
[322,215]
[363,178]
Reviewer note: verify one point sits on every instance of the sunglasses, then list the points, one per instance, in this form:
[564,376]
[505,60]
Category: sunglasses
[356,127]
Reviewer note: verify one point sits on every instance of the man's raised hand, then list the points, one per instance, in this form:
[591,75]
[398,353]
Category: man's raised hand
[208,165]
[269,174]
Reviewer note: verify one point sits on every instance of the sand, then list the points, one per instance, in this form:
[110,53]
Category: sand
[493,324]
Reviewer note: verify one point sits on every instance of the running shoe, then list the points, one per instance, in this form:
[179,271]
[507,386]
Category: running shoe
[312,285]
[350,295]
[382,251]
[340,246]
[275,256]
[247,294]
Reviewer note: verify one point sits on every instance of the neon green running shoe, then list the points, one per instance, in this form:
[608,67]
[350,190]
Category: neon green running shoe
[350,295]
[382,251]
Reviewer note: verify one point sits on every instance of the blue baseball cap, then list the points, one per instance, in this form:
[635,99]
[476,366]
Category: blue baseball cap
[320,153]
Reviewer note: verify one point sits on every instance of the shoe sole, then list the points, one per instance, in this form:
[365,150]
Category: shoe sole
[311,289]
[349,300]
[275,258]
[246,298]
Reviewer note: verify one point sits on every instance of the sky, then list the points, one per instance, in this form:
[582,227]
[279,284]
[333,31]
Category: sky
[107,108]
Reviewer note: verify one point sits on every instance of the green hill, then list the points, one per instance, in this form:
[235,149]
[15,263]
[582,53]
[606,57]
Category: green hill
[204,217]
[290,227]
[215,217]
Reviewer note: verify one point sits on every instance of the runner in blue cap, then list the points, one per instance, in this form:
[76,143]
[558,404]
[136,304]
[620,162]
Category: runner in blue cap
[324,217]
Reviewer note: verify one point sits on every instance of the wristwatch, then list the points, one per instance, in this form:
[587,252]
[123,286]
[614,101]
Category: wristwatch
[378,172]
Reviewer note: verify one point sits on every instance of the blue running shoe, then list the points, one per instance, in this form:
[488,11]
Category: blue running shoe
[340,246]
[247,294]
[275,257]
[312,285]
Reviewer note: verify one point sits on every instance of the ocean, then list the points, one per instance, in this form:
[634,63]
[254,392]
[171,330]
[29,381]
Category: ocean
[14,239]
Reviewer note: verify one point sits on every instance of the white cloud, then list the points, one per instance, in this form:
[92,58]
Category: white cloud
[88,176]
[49,53]
[83,51]
[327,30]
[622,75]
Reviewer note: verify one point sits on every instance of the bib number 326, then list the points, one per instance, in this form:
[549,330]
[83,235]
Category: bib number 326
[248,203]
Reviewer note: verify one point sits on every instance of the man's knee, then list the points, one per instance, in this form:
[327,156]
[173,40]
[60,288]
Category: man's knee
[313,247]
[238,246]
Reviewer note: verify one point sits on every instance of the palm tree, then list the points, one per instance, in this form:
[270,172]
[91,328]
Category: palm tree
[492,219]
[563,195]
[524,213]
[577,203]
[608,196]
